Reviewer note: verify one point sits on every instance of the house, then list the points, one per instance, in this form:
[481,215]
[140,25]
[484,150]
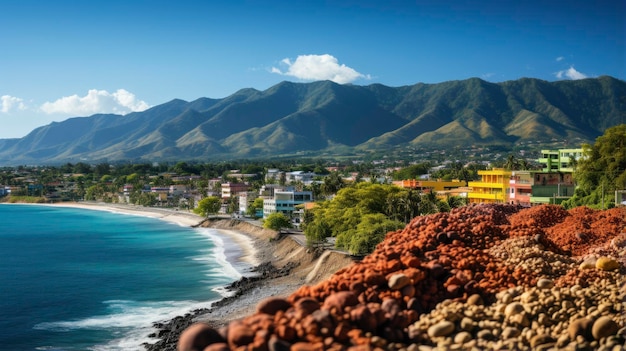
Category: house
[286,202]
[559,160]
[529,188]
[273,175]
[552,187]
[231,189]
[162,193]
[520,187]
[245,199]
[300,176]
[493,187]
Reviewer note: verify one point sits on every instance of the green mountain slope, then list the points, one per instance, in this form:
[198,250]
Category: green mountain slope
[324,117]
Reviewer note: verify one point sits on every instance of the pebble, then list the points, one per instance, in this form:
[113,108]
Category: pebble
[398,281]
[504,281]
[510,332]
[443,328]
[545,283]
[541,339]
[462,337]
[513,309]
[607,264]
[475,299]
[603,327]
[589,263]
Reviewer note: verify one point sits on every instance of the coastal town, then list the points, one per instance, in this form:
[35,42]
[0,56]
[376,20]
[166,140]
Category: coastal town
[550,181]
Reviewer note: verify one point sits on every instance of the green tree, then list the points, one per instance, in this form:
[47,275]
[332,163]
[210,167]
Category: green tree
[317,232]
[332,184]
[411,172]
[256,205]
[146,199]
[207,206]
[368,233]
[601,171]
[276,221]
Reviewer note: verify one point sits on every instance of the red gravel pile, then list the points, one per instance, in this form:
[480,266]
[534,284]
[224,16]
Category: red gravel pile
[445,256]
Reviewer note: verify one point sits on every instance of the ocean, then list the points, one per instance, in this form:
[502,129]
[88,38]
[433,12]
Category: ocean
[80,279]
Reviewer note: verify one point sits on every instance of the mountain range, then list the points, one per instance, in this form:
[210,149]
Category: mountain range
[325,117]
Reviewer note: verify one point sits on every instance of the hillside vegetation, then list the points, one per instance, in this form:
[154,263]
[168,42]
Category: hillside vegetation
[330,119]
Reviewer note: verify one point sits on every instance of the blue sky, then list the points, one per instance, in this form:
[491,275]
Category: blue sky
[60,59]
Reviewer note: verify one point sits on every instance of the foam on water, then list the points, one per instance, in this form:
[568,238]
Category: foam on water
[123,324]
[128,320]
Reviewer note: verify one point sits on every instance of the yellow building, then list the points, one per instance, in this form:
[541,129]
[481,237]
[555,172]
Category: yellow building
[493,187]
[433,185]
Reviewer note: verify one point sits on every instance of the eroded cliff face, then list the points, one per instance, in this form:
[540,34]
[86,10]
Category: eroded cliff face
[486,277]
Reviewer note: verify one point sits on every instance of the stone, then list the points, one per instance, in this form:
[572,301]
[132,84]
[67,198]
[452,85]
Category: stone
[272,305]
[197,337]
[443,328]
[607,264]
[580,327]
[462,337]
[475,300]
[541,339]
[220,346]
[485,334]
[306,306]
[545,283]
[467,324]
[510,332]
[276,344]
[513,308]
[603,327]
[340,300]
[398,281]
[589,263]
[239,334]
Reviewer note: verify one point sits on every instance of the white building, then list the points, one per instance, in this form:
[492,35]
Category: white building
[286,202]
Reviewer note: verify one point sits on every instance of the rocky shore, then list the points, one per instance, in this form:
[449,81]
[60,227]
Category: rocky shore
[484,277]
[285,267]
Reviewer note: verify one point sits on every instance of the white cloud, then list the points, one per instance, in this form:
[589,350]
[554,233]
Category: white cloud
[10,103]
[570,73]
[96,101]
[560,58]
[319,67]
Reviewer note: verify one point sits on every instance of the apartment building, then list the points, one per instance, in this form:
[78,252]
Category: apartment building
[493,187]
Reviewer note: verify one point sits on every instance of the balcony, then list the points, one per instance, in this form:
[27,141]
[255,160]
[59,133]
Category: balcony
[486,185]
[486,196]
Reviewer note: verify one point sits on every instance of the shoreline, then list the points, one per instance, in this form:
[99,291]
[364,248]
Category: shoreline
[244,242]
[270,265]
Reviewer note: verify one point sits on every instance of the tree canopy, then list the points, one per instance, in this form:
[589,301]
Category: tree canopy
[601,171]
[208,205]
[359,216]
[276,221]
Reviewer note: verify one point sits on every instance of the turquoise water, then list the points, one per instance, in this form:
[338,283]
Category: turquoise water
[76,279]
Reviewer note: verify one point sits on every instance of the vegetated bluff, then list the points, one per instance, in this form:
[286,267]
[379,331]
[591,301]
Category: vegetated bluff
[291,118]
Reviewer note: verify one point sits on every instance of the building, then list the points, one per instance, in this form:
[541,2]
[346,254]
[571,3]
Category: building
[559,160]
[231,189]
[245,199]
[273,175]
[529,188]
[431,185]
[520,188]
[300,176]
[551,187]
[493,187]
[286,202]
